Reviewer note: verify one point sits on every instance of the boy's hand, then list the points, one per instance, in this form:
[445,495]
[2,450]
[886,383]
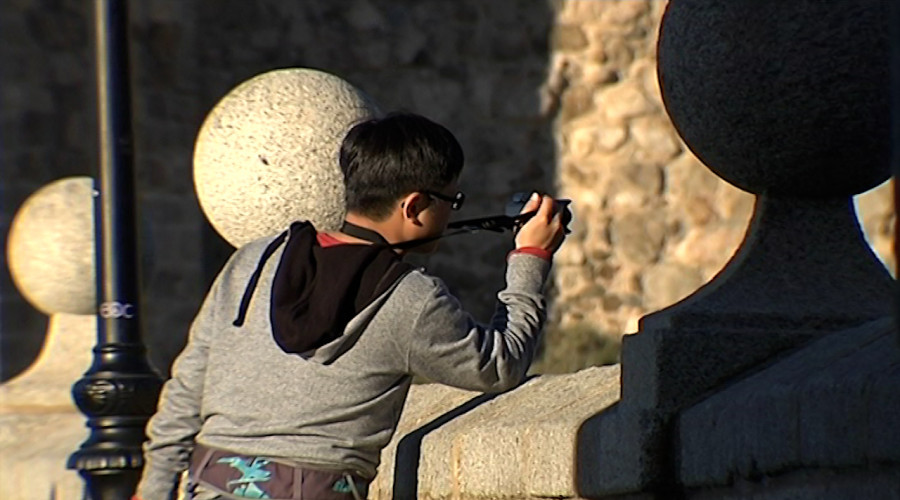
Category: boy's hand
[545,230]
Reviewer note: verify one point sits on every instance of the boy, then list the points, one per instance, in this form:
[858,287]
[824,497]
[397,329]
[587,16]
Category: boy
[302,355]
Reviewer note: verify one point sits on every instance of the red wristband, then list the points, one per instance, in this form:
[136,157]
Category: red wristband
[537,252]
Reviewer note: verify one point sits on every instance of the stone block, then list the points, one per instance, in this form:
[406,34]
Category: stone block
[735,434]
[628,449]
[883,440]
[834,404]
[36,468]
[828,405]
[618,452]
[46,386]
[623,101]
[429,406]
[667,369]
[522,443]
[873,482]
[567,37]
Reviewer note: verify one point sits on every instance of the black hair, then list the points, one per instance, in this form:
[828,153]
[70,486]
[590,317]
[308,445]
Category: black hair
[384,159]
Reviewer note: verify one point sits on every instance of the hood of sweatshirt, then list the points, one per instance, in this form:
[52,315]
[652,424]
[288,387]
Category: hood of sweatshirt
[317,291]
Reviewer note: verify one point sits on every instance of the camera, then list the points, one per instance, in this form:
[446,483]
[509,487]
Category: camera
[518,200]
[512,219]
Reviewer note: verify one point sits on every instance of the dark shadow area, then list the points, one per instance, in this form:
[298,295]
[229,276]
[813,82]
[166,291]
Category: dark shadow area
[589,449]
[586,451]
[409,450]
[22,333]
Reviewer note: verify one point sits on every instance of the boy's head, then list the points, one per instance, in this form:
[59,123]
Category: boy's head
[385,159]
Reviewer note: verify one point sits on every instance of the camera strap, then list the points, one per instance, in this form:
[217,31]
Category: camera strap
[364,233]
[495,223]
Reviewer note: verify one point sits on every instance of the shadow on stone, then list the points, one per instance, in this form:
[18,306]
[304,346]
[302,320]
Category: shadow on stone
[409,450]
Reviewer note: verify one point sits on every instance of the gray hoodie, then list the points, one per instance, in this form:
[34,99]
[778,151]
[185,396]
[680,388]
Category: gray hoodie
[334,407]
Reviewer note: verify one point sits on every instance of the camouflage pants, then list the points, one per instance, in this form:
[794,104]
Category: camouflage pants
[220,474]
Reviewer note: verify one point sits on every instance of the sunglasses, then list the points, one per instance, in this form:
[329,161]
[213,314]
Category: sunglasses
[456,201]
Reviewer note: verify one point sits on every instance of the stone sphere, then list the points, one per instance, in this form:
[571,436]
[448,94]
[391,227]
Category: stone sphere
[50,248]
[781,97]
[267,154]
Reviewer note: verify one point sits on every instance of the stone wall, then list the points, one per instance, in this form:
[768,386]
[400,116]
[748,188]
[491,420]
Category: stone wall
[557,96]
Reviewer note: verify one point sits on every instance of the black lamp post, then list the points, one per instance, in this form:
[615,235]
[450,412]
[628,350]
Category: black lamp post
[894,62]
[119,391]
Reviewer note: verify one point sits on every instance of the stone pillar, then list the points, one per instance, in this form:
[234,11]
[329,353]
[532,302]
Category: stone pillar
[51,260]
[789,101]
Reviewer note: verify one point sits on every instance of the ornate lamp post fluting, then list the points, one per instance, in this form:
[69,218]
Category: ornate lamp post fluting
[119,391]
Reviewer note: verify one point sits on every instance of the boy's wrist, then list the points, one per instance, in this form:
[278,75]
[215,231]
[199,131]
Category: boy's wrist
[538,252]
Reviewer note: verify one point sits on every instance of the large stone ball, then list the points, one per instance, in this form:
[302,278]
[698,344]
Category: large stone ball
[50,249]
[781,97]
[267,154]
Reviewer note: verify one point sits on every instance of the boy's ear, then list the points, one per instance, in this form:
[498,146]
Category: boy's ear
[412,204]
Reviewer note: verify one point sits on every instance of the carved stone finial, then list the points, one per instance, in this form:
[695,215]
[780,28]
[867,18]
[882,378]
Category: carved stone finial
[788,100]
[781,98]
[51,247]
[267,154]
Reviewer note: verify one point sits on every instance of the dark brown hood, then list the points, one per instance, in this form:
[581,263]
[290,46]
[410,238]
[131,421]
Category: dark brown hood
[318,290]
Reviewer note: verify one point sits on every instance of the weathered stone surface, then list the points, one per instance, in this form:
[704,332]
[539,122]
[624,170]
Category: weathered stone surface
[520,444]
[638,237]
[428,407]
[51,247]
[622,101]
[577,101]
[875,481]
[654,135]
[876,216]
[47,384]
[612,136]
[36,468]
[818,408]
[267,154]
[617,452]
[625,12]
[792,127]
[707,251]
[803,270]
[666,283]
[39,425]
[568,37]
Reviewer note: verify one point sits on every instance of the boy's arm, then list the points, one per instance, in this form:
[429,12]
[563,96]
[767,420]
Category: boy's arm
[450,347]
[177,421]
